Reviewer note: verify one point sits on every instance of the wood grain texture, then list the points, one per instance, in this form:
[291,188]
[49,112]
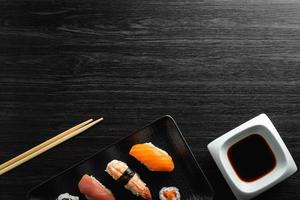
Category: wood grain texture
[210,64]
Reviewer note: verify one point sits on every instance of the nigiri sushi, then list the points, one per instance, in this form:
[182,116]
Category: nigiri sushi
[154,158]
[93,189]
[169,193]
[131,181]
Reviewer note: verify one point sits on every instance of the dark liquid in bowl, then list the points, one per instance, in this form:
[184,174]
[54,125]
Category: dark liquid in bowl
[251,158]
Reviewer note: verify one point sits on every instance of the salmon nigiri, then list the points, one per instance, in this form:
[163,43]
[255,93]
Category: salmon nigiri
[93,189]
[154,158]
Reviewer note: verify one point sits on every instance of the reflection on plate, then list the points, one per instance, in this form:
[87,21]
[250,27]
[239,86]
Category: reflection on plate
[164,133]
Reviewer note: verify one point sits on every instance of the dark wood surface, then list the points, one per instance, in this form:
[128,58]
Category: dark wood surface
[212,65]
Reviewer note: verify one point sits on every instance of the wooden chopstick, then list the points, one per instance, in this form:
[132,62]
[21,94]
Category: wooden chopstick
[19,157]
[24,157]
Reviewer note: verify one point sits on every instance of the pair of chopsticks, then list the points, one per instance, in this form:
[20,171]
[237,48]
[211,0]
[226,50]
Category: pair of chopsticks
[41,148]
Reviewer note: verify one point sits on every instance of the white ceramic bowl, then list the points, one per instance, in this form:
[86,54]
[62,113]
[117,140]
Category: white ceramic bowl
[285,165]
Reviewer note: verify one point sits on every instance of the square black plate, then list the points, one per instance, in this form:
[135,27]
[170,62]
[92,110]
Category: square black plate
[164,133]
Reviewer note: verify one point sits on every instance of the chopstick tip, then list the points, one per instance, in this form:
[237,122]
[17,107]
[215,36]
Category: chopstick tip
[98,120]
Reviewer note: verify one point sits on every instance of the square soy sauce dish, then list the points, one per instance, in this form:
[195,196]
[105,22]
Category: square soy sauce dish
[163,133]
[252,157]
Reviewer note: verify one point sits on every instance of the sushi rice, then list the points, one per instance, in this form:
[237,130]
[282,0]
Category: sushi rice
[67,196]
[165,190]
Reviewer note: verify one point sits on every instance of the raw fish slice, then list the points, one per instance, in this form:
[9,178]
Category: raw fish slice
[154,158]
[93,189]
[123,174]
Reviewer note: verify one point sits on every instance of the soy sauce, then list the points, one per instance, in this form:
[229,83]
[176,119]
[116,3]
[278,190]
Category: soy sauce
[251,158]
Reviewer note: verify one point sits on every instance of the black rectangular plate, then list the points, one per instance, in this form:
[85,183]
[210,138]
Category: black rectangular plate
[164,133]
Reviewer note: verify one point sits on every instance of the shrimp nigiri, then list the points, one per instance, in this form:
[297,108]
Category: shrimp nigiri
[93,189]
[154,158]
[123,174]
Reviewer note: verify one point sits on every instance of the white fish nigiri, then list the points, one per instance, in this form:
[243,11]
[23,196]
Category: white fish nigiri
[122,173]
[93,189]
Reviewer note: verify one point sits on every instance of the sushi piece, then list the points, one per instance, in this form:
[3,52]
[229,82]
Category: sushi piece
[67,196]
[169,193]
[93,189]
[154,158]
[120,172]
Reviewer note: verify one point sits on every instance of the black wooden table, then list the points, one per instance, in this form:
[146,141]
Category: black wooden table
[212,65]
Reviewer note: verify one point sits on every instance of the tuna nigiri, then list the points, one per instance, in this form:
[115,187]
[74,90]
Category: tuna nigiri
[154,158]
[93,189]
[131,181]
